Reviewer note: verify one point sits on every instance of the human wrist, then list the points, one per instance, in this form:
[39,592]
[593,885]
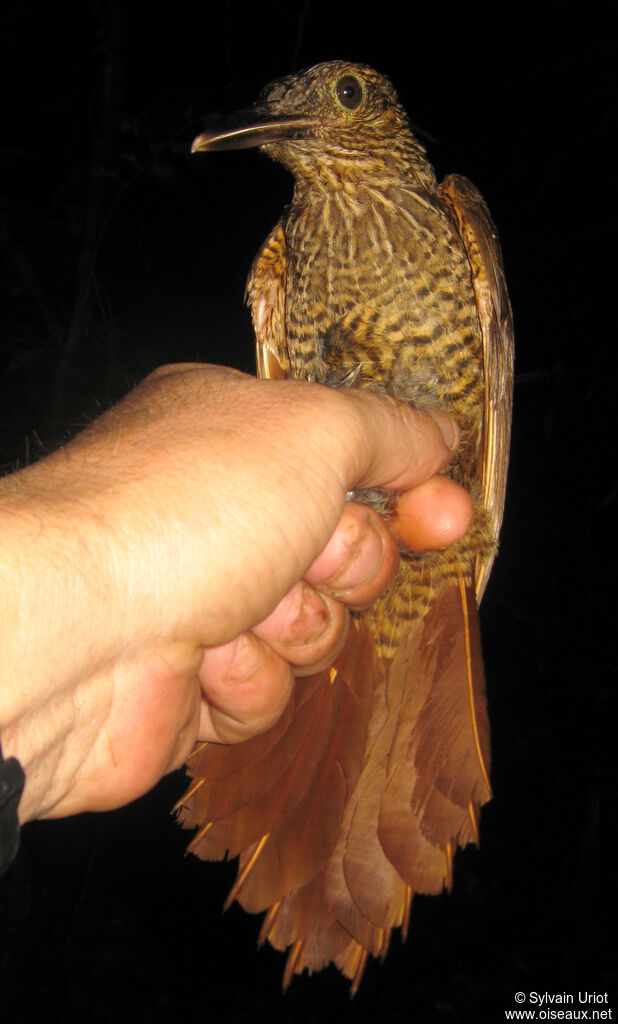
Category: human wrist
[48,562]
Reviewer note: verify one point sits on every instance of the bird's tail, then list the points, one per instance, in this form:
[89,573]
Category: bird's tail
[359,796]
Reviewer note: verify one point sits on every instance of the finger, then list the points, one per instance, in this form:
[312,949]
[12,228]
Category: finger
[433,515]
[245,685]
[397,447]
[306,628]
[360,559]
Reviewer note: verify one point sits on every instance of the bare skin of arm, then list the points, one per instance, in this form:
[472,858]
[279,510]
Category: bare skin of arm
[167,574]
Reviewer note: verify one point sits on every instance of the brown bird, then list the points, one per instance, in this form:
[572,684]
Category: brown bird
[375,277]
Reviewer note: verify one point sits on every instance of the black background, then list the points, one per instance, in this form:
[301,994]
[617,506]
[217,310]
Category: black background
[118,252]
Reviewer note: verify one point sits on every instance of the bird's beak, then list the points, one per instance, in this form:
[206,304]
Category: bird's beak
[251,130]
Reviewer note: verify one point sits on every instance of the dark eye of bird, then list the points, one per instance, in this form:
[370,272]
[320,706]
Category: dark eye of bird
[349,92]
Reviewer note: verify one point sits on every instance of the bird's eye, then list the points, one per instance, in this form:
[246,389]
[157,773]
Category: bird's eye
[349,92]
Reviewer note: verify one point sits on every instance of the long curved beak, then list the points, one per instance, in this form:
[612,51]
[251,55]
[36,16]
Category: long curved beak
[254,132]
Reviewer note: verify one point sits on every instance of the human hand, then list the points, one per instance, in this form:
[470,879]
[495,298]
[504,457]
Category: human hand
[160,557]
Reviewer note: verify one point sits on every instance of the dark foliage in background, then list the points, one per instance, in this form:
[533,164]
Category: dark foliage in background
[117,253]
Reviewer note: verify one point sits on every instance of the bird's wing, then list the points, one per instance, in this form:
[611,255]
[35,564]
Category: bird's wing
[265,295]
[480,238]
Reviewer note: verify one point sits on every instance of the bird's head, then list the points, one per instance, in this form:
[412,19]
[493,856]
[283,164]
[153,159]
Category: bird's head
[335,122]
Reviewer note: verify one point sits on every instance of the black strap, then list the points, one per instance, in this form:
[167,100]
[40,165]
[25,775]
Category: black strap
[12,781]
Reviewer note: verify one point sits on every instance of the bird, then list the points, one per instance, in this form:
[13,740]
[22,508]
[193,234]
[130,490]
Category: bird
[376,276]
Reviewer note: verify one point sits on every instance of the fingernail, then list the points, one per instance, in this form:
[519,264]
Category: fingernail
[447,427]
[311,621]
[247,658]
[365,553]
